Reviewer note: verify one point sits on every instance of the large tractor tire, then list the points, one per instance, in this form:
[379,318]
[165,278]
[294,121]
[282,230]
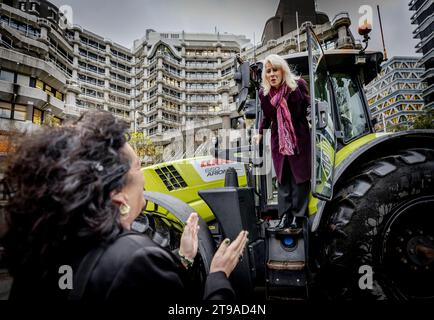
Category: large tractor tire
[382,220]
[167,233]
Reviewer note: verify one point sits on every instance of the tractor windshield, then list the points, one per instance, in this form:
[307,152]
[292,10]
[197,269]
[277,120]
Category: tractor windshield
[353,121]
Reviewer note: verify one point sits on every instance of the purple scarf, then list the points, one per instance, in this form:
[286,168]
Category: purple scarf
[287,138]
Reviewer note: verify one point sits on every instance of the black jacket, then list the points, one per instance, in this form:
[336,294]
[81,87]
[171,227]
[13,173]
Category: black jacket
[135,267]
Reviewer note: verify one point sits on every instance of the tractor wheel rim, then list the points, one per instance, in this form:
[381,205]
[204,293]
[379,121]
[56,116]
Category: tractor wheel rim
[407,250]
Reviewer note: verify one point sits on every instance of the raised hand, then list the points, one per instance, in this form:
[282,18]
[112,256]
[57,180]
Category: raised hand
[189,240]
[227,256]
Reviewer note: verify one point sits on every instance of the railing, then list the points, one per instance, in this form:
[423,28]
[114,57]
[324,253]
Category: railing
[91,70]
[169,58]
[26,33]
[93,59]
[69,59]
[207,89]
[91,83]
[201,77]
[203,100]
[75,110]
[92,96]
[177,74]
[202,65]
[172,95]
[121,81]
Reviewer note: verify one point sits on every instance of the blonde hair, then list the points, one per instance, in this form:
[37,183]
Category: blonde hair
[288,76]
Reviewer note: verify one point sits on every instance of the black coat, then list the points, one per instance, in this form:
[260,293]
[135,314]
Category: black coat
[133,267]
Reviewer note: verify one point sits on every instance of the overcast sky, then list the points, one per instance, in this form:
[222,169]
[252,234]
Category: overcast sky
[126,20]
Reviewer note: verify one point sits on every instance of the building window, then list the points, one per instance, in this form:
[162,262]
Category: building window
[20,112]
[48,90]
[5,110]
[39,84]
[32,82]
[59,95]
[37,116]
[55,122]
[22,79]
[7,76]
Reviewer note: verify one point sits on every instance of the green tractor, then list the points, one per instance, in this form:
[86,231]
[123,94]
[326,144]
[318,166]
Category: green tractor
[370,226]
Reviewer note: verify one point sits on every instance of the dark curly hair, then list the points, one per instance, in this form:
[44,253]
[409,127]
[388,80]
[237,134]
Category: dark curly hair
[61,180]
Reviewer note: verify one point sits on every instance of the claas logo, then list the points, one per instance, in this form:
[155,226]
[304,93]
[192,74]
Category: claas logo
[214,162]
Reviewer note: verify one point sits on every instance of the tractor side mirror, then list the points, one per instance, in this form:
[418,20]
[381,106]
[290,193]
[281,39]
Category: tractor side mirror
[250,109]
[242,78]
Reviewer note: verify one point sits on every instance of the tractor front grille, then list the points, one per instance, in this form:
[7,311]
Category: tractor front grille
[171,178]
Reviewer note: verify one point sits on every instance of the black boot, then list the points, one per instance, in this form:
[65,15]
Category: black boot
[283,223]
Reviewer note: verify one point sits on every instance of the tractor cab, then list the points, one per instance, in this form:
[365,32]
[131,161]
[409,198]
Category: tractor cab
[340,109]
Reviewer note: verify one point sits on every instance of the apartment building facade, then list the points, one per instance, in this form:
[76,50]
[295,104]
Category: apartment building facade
[164,83]
[396,95]
[423,18]
[185,80]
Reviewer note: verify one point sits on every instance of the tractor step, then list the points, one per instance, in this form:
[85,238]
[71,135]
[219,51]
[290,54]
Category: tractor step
[286,265]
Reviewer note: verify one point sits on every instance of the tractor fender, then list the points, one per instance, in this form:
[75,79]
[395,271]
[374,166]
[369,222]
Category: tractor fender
[381,146]
[182,211]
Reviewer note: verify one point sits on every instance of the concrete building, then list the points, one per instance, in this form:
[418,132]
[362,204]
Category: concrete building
[164,83]
[395,96]
[288,14]
[185,80]
[424,19]
[334,34]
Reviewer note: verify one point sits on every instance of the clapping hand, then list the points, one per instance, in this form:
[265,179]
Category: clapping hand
[189,240]
[228,255]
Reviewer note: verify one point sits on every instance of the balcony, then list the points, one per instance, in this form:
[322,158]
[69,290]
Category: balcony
[202,90]
[93,60]
[172,97]
[169,121]
[18,126]
[92,71]
[92,47]
[202,66]
[203,101]
[125,107]
[202,78]
[172,73]
[23,40]
[121,82]
[92,98]
[92,84]
[212,123]
[34,96]
[120,69]
[74,110]
[201,112]
[169,59]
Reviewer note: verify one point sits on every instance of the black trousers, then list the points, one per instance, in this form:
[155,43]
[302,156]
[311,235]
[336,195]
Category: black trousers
[292,198]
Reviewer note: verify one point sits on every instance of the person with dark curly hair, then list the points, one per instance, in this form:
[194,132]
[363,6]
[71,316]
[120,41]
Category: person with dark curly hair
[76,190]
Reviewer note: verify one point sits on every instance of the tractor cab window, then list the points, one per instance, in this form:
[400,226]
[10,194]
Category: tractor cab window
[350,108]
